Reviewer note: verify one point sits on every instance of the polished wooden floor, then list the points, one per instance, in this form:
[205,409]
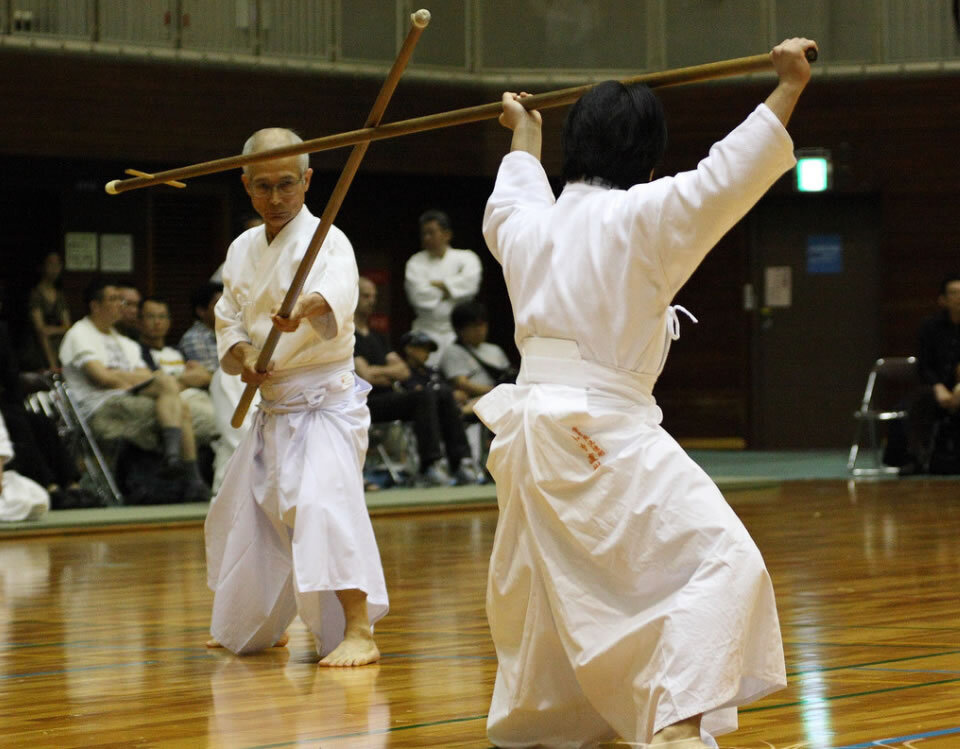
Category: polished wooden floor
[101,636]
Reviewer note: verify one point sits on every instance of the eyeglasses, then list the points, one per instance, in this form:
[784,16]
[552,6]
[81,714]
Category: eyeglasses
[286,188]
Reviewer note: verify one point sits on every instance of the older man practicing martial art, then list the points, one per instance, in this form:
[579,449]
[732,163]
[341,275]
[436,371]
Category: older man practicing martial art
[289,531]
[624,595]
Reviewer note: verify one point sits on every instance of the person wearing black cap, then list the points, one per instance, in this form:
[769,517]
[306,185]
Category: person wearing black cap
[433,415]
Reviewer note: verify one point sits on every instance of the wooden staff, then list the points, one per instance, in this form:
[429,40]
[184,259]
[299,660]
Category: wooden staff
[418,22]
[558,98]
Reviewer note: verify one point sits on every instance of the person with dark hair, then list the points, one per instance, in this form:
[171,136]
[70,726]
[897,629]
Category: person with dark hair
[614,137]
[624,595]
[119,395]
[49,315]
[472,364]
[933,420]
[439,277]
[433,413]
[192,377]
[129,322]
[199,342]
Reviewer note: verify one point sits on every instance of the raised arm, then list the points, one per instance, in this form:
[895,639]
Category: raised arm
[793,69]
[526,125]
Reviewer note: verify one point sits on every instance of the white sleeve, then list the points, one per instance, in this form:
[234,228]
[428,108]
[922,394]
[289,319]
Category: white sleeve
[420,292]
[456,362]
[229,318]
[334,276]
[6,446]
[521,182]
[77,348]
[466,283]
[695,209]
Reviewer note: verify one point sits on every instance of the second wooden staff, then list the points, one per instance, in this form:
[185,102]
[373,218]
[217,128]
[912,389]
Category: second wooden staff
[418,22]
[558,98]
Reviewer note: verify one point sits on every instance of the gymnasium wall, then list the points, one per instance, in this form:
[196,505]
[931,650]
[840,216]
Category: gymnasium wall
[71,123]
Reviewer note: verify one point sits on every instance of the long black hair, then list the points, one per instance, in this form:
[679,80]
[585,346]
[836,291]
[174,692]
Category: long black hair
[615,133]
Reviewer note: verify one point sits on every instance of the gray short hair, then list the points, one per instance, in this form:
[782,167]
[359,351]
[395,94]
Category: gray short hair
[275,137]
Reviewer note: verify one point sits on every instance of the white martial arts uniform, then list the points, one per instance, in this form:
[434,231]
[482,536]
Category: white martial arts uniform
[289,526]
[624,594]
[460,271]
[20,498]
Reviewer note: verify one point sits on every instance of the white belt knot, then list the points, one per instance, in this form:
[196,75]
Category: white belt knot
[673,321]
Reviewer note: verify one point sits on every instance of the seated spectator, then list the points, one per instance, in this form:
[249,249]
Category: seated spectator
[49,316]
[129,322]
[385,370]
[39,452]
[121,397]
[192,377]
[199,343]
[933,425]
[20,498]
[472,364]
[417,347]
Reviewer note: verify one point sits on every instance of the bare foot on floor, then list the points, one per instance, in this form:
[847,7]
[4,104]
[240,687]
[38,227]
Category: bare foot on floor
[355,650]
[280,643]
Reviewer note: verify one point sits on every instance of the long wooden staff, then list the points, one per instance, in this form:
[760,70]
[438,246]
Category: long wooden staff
[558,98]
[418,22]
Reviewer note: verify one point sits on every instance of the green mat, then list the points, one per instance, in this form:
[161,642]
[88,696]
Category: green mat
[379,502]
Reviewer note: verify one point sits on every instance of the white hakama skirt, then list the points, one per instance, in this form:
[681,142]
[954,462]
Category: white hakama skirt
[289,526]
[624,594]
[22,498]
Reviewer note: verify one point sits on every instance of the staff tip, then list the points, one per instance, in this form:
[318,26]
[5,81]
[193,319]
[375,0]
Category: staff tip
[111,187]
[421,18]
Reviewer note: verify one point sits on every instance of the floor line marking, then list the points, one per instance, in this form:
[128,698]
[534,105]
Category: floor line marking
[910,670]
[794,643]
[820,700]
[78,668]
[378,732]
[902,739]
[871,663]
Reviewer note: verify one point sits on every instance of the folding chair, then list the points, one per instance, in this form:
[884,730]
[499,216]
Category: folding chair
[393,448]
[59,405]
[889,383]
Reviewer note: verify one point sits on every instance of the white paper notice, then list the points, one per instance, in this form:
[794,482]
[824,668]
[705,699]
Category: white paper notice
[116,253]
[80,250]
[778,286]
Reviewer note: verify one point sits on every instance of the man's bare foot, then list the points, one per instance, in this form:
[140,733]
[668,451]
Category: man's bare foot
[357,649]
[682,735]
[280,643]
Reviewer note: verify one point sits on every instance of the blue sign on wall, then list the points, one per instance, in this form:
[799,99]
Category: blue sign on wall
[824,253]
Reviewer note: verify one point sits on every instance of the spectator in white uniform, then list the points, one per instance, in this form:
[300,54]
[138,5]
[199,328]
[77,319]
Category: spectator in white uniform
[438,278]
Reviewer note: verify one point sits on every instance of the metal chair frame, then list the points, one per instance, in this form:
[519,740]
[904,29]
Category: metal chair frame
[867,419]
[59,405]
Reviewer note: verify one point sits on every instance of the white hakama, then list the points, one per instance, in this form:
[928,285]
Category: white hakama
[289,526]
[21,498]
[624,595]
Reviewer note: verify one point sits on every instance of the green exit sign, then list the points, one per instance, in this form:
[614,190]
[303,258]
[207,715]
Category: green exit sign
[814,172]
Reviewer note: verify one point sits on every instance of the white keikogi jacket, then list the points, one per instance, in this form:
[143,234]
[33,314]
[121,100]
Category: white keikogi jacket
[289,526]
[624,594]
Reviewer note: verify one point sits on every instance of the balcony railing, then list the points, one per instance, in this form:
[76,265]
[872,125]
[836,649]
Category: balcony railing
[552,39]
